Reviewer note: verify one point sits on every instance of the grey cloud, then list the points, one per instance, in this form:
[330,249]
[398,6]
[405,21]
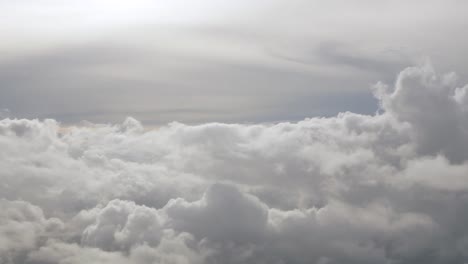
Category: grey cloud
[383,63]
[227,204]
[22,227]
[433,105]
[120,225]
[351,188]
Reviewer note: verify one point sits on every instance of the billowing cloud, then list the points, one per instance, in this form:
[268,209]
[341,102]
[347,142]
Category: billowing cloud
[384,188]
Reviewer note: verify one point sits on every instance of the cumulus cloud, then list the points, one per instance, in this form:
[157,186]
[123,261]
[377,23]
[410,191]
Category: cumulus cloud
[22,227]
[384,188]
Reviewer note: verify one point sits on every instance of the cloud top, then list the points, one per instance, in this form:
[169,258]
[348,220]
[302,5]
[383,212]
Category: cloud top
[384,188]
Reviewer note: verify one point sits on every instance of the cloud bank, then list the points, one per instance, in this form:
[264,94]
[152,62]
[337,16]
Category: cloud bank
[385,188]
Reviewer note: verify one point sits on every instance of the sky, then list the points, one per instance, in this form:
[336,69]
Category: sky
[241,132]
[216,61]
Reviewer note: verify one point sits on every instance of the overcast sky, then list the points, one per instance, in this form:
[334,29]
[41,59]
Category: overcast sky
[233,132]
[209,60]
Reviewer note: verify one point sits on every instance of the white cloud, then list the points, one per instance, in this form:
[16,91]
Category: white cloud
[387,188]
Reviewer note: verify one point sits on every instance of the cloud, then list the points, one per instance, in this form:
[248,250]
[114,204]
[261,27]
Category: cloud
[433,105]
[120,225]
[353,188]
[22,226]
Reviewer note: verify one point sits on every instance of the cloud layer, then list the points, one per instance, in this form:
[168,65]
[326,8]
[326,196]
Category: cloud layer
[385,188]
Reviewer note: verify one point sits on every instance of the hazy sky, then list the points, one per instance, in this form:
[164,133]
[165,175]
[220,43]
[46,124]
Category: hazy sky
[228,61]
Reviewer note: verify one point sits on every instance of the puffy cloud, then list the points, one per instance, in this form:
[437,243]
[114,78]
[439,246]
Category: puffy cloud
[386,188]
[120,225]
[22,227]
[223,214]
[435,108]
